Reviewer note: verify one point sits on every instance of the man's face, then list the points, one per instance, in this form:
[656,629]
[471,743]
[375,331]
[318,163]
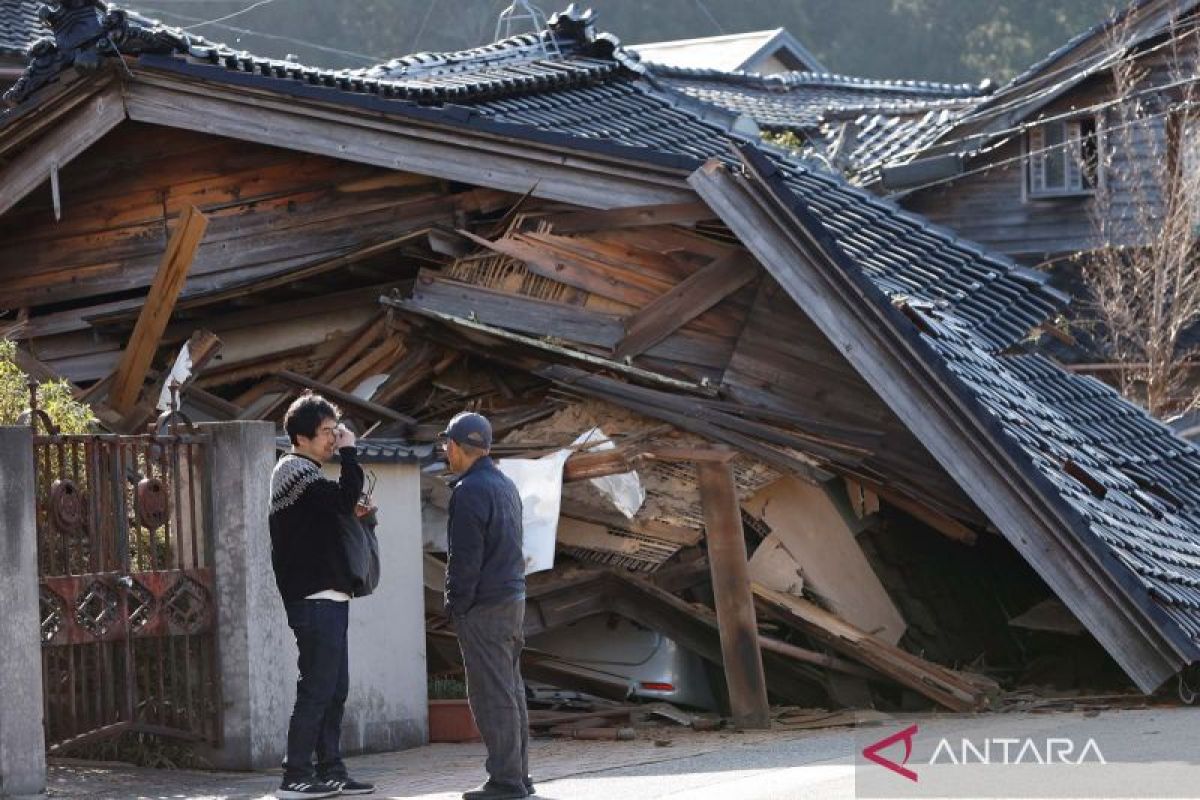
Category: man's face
[454,455]
[322,445]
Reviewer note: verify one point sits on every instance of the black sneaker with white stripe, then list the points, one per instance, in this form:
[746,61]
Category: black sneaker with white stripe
[306,789]
[348,785]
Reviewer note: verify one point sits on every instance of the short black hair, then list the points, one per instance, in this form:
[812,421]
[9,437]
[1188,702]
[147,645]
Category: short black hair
[304,416]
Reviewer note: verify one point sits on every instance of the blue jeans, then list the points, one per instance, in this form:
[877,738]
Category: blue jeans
[316,725]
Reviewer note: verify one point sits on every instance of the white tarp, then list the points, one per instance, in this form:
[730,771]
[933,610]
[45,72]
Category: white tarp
[181,373]
[539,482]
[624,490]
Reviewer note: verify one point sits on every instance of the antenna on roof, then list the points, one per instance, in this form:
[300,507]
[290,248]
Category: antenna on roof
[523,14]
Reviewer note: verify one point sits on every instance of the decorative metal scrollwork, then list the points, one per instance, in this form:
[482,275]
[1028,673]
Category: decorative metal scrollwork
[52,611]
[141,605]
[186,605]
[96,609]
[66,505]
[153,503]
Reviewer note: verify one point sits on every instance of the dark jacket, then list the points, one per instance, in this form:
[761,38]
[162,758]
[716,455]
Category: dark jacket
[486,566]
[306,549]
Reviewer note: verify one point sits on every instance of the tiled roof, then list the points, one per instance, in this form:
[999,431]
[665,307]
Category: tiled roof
[381,451]
[910,259]
[800,100]
[1132,482]
[893,134]
[19,26]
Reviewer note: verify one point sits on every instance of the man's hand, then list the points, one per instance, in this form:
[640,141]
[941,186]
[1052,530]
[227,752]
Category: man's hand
[343,437]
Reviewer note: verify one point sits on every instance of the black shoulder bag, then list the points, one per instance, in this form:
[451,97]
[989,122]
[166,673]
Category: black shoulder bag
[362,553]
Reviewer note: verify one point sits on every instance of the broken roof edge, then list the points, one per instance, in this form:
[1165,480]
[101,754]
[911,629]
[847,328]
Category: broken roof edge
[912,379]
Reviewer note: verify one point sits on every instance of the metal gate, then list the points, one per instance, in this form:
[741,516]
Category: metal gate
[126,587]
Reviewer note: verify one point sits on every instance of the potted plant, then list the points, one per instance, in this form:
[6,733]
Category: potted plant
[450,718]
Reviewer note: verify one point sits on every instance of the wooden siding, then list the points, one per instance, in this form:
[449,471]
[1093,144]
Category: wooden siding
[993,209]
[783,362]
[270,210]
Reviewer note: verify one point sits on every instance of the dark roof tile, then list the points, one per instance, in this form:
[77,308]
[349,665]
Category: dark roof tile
[19,26]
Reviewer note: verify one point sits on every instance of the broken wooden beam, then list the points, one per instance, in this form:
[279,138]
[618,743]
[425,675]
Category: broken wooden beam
[696,294]
[160,302]
[345,398]
[581,466]
[201,348]
[937,683]
[734,600]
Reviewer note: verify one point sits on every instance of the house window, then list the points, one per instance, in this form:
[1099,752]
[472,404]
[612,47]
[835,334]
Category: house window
[1063,158]
[1187,156]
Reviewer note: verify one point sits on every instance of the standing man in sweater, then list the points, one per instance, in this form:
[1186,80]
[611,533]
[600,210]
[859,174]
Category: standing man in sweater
[485,596]
[314,579]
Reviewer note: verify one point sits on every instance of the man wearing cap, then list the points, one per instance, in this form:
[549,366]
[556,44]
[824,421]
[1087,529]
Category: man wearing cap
[485,596]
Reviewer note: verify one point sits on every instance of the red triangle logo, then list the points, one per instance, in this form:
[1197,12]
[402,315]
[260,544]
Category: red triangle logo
[871,752]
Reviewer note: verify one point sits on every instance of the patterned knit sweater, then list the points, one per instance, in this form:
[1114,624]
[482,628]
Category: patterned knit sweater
[306,550]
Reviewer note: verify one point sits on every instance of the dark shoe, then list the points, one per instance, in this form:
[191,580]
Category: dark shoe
[529,786]
[496,791]
[348,785]
[305,788]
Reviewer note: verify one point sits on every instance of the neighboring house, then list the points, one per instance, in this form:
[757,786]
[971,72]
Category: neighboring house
[1019,172]
[765,52]
[845,338]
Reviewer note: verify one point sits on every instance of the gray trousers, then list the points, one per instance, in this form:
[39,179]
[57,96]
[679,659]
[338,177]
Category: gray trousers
[491,638]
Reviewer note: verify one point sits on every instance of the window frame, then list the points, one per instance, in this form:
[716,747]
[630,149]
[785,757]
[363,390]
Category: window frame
[1072,148]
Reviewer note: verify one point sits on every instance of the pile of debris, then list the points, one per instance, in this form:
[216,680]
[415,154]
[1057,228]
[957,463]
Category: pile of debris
[791,427]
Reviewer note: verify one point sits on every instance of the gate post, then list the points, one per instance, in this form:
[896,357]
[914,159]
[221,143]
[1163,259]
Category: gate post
[256,657]
[22,739]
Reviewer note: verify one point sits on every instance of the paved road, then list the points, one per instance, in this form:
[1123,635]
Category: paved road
[1147,752]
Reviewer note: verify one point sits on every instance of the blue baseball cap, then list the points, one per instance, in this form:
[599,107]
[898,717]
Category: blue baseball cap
[469,428]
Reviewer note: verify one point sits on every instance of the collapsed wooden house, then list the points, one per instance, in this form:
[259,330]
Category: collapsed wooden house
[536,228]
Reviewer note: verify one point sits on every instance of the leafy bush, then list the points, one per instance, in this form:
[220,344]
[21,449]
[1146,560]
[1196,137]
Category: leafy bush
[54,397]
[443,688]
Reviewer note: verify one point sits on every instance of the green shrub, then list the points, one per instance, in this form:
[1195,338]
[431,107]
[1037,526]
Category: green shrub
[54,397]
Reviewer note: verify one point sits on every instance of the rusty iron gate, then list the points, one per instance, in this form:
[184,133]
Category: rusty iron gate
[128,618]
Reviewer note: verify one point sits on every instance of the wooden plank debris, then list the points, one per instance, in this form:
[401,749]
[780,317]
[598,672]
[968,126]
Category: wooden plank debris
[939,684]
[686,301]
[813,530]
[168,283]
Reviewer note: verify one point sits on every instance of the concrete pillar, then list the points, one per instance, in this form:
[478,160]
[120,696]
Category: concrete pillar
[256,651]
[22,742]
